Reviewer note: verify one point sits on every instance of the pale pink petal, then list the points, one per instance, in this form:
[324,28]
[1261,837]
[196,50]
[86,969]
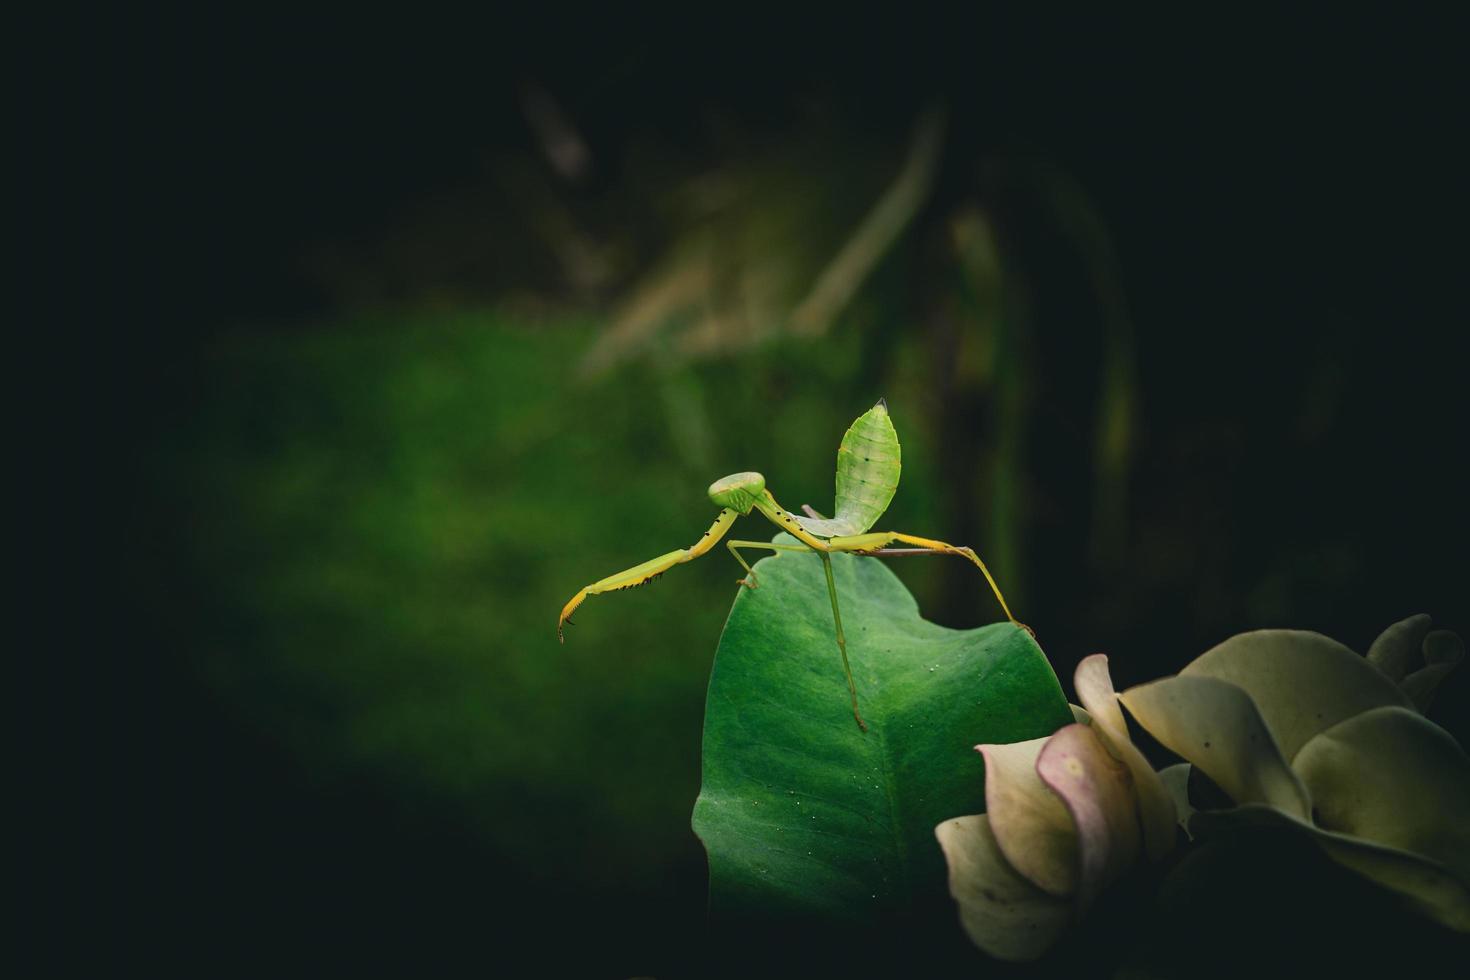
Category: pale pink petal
[1098,793]
[1094,686]
[1030,824]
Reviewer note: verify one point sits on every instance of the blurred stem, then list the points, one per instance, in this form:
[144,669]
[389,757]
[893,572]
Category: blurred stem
[981,359]
[690,426]
[1007,460]
[878,231]
[1115,417]
[1113,447]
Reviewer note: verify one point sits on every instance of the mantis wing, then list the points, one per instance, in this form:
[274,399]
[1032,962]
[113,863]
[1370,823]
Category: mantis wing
[868,464]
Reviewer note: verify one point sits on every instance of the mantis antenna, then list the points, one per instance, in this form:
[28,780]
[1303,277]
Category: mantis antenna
[868,468]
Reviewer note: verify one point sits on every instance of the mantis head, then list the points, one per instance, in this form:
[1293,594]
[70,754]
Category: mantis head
[738,491]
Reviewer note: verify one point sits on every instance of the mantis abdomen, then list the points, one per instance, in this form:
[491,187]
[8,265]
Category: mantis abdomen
[868,466]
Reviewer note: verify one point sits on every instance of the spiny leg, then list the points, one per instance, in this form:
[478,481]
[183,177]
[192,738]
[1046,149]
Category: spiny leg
[749,581]
[841,640]
[649,570]
[873,544]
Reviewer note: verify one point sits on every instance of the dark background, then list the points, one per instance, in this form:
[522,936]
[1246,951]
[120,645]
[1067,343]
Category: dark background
[350,468]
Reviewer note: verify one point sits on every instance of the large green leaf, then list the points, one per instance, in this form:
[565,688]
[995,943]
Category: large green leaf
[804,814]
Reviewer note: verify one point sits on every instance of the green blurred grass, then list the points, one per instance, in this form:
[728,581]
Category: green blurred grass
[375,522]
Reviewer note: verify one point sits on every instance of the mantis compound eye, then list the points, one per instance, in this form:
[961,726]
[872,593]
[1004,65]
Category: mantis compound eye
[738,491]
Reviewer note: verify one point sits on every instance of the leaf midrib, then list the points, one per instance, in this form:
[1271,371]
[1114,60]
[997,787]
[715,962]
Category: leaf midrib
[890,792]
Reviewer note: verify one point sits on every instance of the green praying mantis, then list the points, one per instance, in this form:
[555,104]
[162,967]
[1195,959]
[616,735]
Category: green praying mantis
[868,465]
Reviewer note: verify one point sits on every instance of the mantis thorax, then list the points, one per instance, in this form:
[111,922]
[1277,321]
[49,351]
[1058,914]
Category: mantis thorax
[738,491]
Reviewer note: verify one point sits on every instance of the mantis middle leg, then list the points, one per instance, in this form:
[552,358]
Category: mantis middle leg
[841,641]
[749,582]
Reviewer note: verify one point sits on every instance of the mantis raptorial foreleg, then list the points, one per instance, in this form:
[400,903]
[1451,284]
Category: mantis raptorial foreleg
[874,543]
[649,570]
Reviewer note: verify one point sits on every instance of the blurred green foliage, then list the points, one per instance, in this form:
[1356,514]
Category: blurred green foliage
[1176,346]
[378,522]
[358,533]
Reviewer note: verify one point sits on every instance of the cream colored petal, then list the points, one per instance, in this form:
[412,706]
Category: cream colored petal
[1443,652]
[1176,781]
[1098,793]
[1443,647]
[1216,726]
[1094,686]
[1155,807]
[1002,912]
[1302,683]
[1427,885]
[1080,715]
[1032,827]
[1397,648]
[1391,777]
[1430,887]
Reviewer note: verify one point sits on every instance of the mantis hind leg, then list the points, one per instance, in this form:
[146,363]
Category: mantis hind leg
[750,581]
[874,544]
